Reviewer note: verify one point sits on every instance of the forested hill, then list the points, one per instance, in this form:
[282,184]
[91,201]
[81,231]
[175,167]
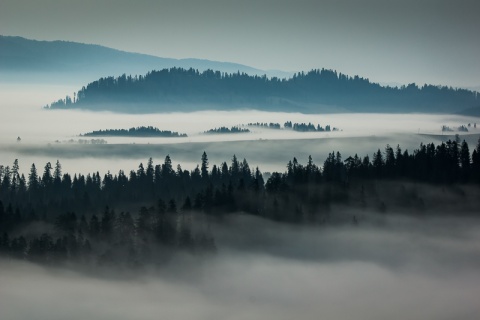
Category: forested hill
[314,91]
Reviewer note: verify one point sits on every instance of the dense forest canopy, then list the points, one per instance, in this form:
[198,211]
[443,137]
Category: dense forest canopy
[168,89]
[51,216]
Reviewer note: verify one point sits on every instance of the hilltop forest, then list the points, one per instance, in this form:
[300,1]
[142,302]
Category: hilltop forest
[314,91]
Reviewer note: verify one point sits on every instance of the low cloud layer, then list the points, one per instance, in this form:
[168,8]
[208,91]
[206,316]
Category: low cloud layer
[388,268]
[269,149]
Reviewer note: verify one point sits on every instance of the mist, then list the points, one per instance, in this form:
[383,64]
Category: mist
[45,134]
[409,268]
[392,238]
[389,266]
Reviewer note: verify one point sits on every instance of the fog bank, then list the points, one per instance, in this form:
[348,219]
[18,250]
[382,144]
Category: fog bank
[22,116]
[408,268]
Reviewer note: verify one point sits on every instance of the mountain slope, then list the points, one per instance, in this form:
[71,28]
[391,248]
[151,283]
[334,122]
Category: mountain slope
[23,59]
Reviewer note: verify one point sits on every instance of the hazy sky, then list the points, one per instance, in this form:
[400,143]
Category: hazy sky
[434,41]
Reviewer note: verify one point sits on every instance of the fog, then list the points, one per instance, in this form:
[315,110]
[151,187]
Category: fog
[388,267]
[45,134]
[268,155]
[405,268]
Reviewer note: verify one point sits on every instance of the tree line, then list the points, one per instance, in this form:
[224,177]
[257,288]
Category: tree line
[146,215]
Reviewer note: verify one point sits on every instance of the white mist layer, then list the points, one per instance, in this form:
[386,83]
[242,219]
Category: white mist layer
[38,129]
[407,269]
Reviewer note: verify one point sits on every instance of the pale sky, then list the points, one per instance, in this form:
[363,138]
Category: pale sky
[433,41]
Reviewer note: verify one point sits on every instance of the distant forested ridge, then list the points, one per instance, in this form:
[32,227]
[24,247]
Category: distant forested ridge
[314,91]
[146,214]
[134,132]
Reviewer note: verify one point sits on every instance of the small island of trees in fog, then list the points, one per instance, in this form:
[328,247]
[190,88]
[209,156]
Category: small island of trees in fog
[461,128]
[300,127]
[233,129]
[143,132]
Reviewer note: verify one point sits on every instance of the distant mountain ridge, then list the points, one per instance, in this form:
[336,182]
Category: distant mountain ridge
[178,89]
[21,59]
[192,84]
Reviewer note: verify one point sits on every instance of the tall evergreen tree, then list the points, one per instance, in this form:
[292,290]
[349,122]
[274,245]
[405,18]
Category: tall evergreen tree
[15,175]
[47,178]
[57,173]
[378,163]
[204,166]
[33,178]
[465,160]
[6,182]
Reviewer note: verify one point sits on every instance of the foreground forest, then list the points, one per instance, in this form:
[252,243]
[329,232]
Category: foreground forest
[178,89]
[146,215]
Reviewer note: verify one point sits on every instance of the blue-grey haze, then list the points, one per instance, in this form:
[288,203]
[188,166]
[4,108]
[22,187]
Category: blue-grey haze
[404,41]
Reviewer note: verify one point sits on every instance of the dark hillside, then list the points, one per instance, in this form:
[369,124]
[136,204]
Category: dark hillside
[177,88]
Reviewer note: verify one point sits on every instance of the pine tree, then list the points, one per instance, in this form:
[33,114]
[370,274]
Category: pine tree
[150,170]
[15,176]
[465,161]
[33,178]
[167,169]
[6,182]
[57,173]
[389,161]
[204,166]
[259,182]
[378,163]
[47,175]
[235,169]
